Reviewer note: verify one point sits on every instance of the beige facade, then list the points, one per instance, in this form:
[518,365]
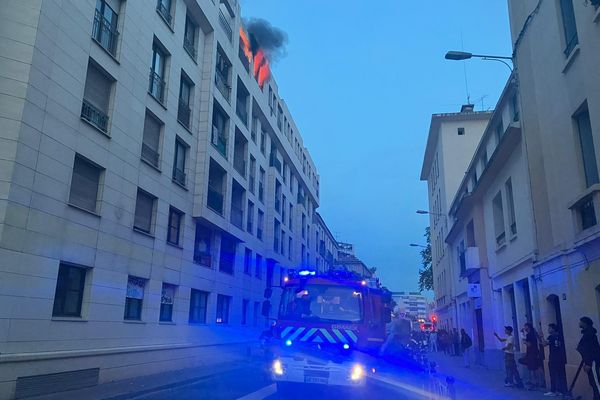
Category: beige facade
[149,188]
[453,137]
[557,57]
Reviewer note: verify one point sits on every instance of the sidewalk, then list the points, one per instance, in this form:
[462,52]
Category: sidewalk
[136,387]
[479,382]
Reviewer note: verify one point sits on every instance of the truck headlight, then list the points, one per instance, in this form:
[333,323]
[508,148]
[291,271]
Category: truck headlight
[277,367]
[358,372]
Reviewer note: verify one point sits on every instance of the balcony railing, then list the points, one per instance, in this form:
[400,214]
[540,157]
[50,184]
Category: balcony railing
[219,141]
[225,25]
[150,155]
[190,47]
[94,116]
[156,86]
[222,85]
[237,216]
[105,34]
[164,13]
[179,176]
[203,258]
[240,110]
[240,166]
[215,200]
[183,113]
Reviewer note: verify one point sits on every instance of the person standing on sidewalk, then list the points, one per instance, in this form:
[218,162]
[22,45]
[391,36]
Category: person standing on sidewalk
[456,342]
[512,373]
[433,338]
[532,355]
[466,344]
[557,359]
[589,349]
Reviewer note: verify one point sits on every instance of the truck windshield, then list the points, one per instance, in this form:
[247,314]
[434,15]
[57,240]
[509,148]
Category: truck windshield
[321,303]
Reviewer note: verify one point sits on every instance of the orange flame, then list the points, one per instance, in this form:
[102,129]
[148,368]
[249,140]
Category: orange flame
[262,71]
[259,58]
[246,44]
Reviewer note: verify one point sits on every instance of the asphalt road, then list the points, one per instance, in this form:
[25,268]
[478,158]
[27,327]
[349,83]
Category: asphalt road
[250,383]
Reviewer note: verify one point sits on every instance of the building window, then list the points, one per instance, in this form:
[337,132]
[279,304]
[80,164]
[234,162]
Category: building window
[587,214]
[96,98]
[223,303]
[276,235]
[461,131]
[250,218]
[167,298]
[220,127]
[511,208]
[277,196]
[163,8]
[144,211]
[175,225]
[85,184]
[179,162]
[134,298]
[290,248]
[290,224]
[260,224]
[588,151]
[245,304]
[184,109]
[569,25]
[157,73]
[499,132]
[227,258]
[498,211]
[189,37]
[263,142]
[261,185]
[252,175]
[68,296]
[516,111]
[202,246]
[104,31]
[198,303]
[247,261]
[258,266]
[151,140]
[222,73]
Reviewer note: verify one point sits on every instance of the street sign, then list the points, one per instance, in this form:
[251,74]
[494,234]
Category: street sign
[474,290]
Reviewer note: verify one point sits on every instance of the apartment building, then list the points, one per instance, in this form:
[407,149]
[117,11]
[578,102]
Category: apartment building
[452,139]
[491,241]
[556,46]
[414,304]
[150,189]
[325,244]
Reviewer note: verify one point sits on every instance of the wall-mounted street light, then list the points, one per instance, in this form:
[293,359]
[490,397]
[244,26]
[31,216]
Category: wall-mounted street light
[423,212]
[463,55]
[417,245]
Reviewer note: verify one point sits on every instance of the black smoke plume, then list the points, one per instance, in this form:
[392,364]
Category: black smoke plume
[263,35]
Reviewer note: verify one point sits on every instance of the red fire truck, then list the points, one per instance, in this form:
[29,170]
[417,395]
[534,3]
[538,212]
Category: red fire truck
[328,327]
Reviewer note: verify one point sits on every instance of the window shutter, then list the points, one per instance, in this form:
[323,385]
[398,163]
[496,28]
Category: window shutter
[143,211]
[84,185]
[97,88]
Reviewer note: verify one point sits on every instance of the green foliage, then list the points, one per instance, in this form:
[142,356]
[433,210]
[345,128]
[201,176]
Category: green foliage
[426,270]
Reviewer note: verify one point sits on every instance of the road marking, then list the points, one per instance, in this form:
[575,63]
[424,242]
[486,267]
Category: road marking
[261,393]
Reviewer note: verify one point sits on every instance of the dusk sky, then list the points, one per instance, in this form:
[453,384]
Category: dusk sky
[361,80]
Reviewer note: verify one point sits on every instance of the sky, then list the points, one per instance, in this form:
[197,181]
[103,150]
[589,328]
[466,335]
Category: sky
[361,80]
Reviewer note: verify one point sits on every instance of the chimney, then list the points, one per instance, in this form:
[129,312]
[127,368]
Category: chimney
[467,108]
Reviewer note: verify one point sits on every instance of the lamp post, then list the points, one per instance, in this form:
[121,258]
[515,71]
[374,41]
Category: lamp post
[463,55]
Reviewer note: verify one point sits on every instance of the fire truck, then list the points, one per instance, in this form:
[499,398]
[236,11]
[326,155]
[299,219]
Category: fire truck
[328,327]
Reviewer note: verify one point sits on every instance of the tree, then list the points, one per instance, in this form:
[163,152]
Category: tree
[426,272]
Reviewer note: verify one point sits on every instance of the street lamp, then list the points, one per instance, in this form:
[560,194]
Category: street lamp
[463,55]
[423,212]
[417,245]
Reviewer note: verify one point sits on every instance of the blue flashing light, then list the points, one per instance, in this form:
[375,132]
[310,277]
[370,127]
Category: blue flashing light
[288,343]
[305,272]
[346,346]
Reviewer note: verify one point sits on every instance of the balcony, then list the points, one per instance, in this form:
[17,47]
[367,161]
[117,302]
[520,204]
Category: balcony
[241,111]
[237,216]
[222,85]
[240,166]
[156,86]
[150,155]
[104,34]
[219,141]
[225,25]
[94,116]
[203,258]
[215,200]
[184,113]
[164,13]
[190,47]
[179,176]
[472,262]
